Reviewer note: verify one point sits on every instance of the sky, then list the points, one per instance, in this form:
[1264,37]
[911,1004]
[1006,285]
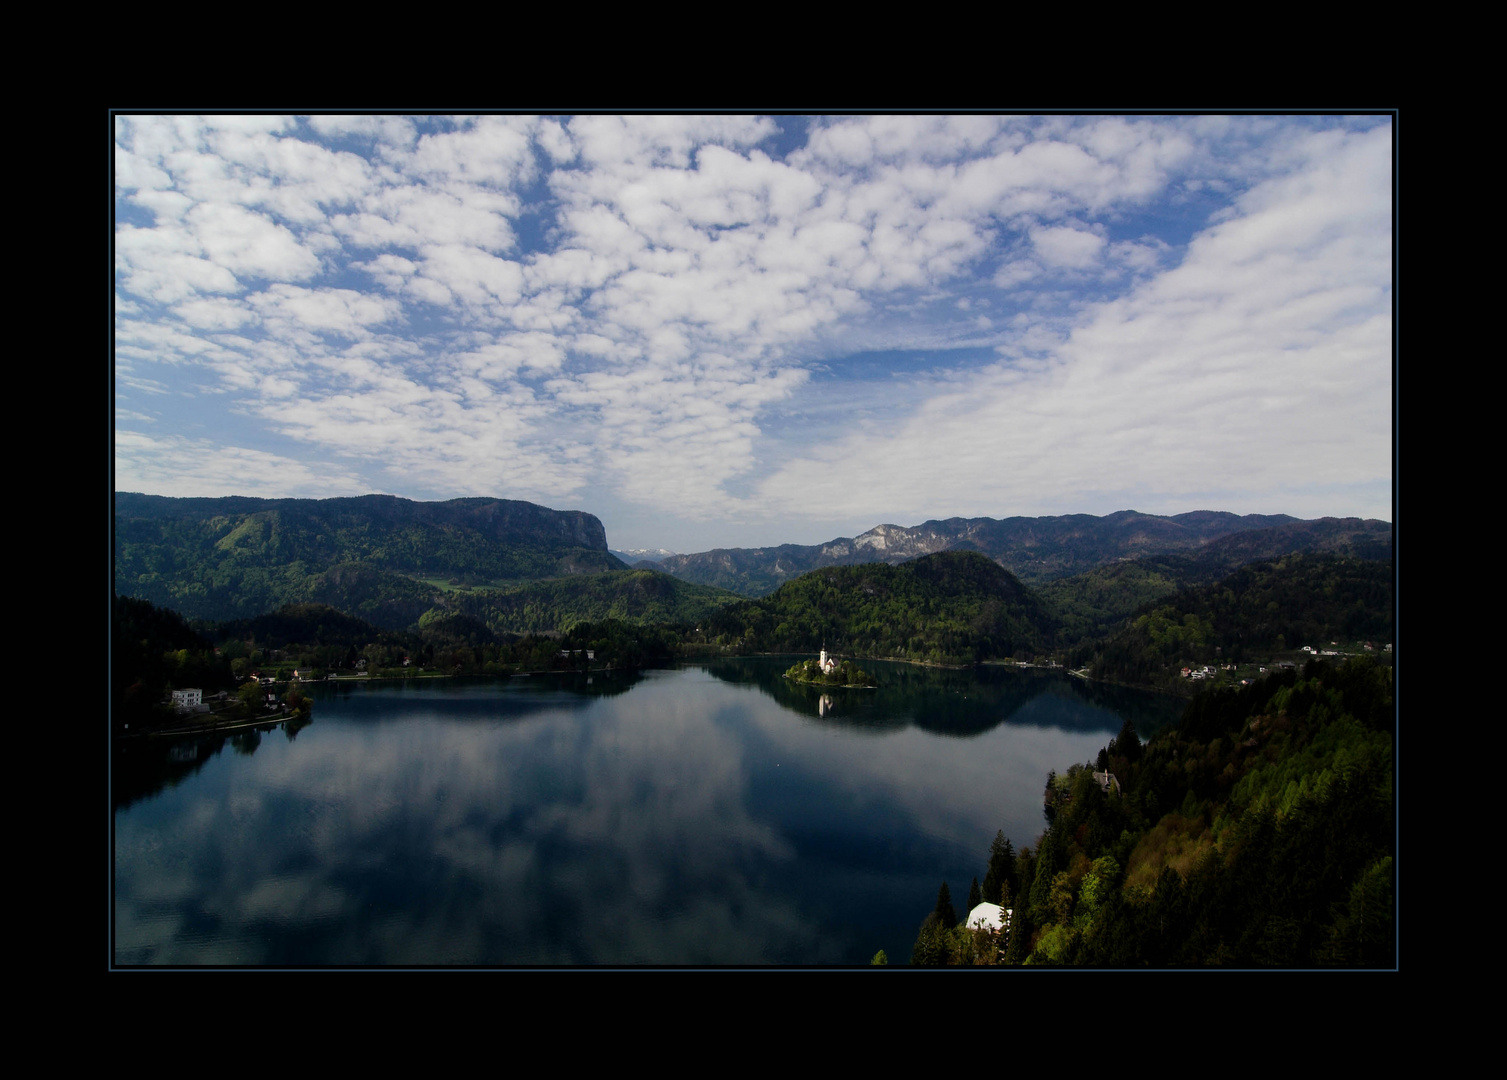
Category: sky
[738,331]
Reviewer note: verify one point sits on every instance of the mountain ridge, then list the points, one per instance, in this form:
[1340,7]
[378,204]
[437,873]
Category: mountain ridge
[541,522]
[1035,549]
[239,556]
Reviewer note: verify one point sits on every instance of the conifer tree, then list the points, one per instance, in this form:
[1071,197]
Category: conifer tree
[1127,744]
[944,911]
[1001,867]
[930,947]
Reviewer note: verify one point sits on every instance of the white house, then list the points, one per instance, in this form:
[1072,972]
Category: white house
[187,699]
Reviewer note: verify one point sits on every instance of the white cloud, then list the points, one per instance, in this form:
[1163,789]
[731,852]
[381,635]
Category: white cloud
[164,266]
[133,172]
[162,341]
[487,150]
[1260,362]
[1066,247]
[397,132]
[185,468]
[291,309]
[556,142]
[411,217]
[660,141]
[379,290]
[214,313]
[474,276]
[391,271]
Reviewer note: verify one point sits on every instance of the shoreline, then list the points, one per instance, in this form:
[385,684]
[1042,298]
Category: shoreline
[208,729]
[832,686]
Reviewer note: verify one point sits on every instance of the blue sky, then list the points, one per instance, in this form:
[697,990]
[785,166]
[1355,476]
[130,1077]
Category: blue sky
[743,330]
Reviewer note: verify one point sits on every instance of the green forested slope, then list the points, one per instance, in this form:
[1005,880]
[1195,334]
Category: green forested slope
[952,607]
[1095,603]
[640,597]
[1256,833]
[238,557]
[1258,611]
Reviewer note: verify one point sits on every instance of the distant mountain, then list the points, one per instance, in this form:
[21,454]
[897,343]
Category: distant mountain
[637,557]
[1355,537]
[240,557]
[1036,550]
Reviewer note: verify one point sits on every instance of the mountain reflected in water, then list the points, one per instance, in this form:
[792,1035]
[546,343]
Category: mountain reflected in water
[712,814]
[958,702]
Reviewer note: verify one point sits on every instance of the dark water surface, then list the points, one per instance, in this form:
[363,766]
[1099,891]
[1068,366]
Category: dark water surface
[712,814]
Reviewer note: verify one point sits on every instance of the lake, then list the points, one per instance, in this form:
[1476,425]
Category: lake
[711,814]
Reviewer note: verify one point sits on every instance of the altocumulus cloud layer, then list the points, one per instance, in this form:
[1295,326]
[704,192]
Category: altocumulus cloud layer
[739,330]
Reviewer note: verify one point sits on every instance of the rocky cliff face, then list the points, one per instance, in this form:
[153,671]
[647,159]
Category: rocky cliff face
[508,519]
[891,543]
[503,520]
[239,557]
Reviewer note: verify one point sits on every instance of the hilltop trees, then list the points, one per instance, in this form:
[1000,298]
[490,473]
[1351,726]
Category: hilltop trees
[955,607]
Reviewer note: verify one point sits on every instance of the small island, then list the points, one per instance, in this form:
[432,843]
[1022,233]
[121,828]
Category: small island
[827,671]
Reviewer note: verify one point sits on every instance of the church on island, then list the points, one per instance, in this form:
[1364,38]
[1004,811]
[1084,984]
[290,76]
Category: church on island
[829,671]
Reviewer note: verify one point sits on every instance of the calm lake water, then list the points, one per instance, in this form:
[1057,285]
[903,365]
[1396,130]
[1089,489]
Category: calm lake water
[711,814]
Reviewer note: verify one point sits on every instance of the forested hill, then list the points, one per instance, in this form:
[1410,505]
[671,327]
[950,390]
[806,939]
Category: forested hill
[1257,832]
[1261,610]
[239,557]
[635,597]
[1042,549]
[952,607]
[1094,603]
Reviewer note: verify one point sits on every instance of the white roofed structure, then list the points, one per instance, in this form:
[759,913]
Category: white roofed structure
[987,916]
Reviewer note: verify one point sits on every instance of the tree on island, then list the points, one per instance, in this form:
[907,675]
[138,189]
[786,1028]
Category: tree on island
[844,674]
